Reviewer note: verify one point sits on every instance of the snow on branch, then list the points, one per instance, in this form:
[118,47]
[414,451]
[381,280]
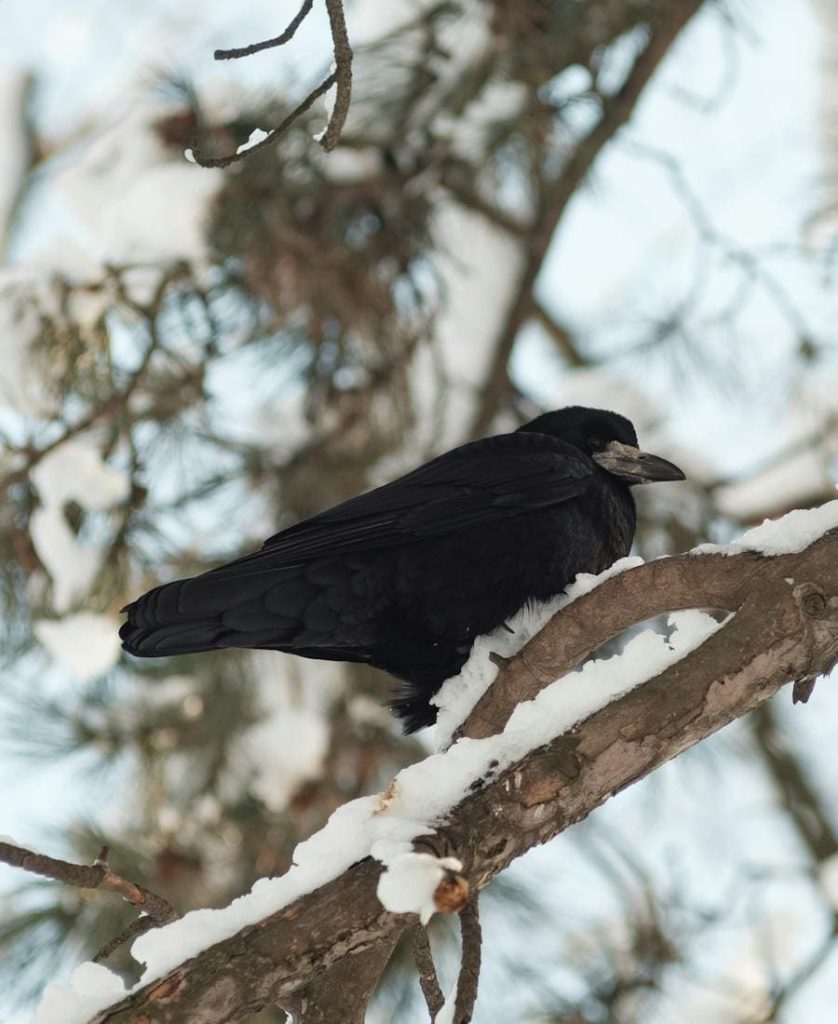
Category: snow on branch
[512,780]
[339,79]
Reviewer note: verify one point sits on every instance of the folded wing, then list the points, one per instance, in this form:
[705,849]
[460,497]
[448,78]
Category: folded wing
[324,586]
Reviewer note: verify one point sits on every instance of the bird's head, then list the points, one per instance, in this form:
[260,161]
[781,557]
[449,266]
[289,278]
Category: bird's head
[609,439]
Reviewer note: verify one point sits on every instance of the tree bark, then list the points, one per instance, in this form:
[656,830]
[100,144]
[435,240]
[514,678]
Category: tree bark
[785,628]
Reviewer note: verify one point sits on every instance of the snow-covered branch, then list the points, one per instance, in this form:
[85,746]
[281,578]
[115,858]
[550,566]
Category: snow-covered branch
[488,800]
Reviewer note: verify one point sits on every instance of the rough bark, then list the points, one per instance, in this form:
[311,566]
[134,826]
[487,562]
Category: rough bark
[785,628]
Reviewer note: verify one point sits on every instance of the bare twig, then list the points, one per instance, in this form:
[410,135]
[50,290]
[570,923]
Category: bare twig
[340,78]
[139,926]
[753,268]
[98,875]
[272,136]
[267,44]
[428,980]
[342,74]
[472,936]
[558,334]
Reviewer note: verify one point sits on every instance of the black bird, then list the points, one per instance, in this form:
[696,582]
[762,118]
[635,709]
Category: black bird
[405,576]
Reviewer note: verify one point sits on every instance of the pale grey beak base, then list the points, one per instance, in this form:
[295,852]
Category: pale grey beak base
[634,466]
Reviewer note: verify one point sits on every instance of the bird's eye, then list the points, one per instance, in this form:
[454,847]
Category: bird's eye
[596,444]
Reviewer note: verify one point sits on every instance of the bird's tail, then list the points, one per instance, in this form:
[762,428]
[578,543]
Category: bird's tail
[159,625]
[201,614]
[412,708]
[413,704]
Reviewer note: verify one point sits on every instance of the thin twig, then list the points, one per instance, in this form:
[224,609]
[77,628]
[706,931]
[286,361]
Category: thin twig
[97,875]
[340,77]
[558,334]
[139,926]
[472,936]
[428,980]
[267,44]
[272,136]
[342,74]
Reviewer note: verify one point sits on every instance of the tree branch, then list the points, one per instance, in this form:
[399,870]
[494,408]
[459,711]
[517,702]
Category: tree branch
[97,875]
[428,980]
[717,581]
[340,78]
[616,111]
[267,44]
[342,75]
[559,335]
[785,628]
[470,967]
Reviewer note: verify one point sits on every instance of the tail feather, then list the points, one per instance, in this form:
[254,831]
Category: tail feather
[412,703]
[200,614]
[175,638]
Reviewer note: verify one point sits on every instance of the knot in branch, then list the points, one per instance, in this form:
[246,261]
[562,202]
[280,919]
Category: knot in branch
[811,600]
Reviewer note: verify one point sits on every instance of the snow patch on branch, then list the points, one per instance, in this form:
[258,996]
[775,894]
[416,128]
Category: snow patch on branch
[598,683]
[787,535]
[91,988]
[255,137]
[458,695]
[75,471]
[409,881]
[287,750]
[130,198]
[329,100]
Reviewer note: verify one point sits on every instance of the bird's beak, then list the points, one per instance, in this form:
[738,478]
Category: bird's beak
[634,466]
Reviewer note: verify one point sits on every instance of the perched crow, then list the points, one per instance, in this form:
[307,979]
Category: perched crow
[406,576]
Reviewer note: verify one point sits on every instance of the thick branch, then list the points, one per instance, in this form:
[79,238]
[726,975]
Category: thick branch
[559,335]
[720,582]
[786,628]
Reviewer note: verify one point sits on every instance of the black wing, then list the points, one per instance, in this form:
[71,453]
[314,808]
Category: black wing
[299,585]
[469,486]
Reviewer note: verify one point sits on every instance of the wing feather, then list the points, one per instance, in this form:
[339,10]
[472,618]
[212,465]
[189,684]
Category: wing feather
[472,485]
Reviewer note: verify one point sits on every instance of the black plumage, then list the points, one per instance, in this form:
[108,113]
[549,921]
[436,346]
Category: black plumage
[404,577]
